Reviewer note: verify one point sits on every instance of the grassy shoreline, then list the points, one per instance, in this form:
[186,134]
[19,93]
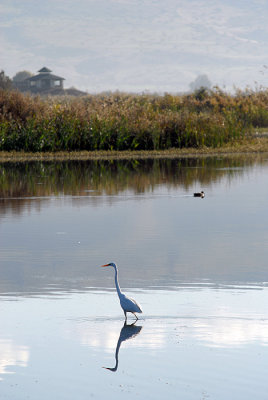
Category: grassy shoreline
[121,125]
[130,123]
[251,146]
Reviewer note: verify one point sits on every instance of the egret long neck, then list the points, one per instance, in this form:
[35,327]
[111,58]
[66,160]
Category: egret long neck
[116,282]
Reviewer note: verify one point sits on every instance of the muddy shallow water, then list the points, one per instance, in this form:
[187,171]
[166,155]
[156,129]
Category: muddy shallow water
[197,266]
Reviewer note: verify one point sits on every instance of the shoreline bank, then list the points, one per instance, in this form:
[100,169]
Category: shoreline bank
[250,147]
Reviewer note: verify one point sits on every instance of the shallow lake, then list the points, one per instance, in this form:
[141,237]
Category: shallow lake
[198,267]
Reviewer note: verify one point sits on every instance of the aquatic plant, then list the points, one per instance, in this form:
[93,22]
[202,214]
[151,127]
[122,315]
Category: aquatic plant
[122,121]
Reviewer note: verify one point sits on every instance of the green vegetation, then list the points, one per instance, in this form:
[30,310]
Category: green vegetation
[130,122]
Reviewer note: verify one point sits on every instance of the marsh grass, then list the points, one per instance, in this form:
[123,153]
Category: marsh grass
[130,122]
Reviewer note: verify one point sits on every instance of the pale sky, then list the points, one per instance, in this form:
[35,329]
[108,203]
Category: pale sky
[137,45]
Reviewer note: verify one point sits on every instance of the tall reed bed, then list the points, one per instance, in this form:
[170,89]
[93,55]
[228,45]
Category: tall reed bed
[122,121]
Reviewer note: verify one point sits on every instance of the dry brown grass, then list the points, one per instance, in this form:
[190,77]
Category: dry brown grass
[121,121]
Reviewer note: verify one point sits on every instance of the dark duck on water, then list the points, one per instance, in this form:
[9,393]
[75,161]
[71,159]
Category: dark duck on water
[199,194]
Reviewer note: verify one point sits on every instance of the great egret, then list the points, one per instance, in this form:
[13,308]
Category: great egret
[127,304]
[199,194]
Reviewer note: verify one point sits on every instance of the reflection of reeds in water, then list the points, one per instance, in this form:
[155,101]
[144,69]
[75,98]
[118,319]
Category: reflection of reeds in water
[41,179]
[128,122]
[88,178]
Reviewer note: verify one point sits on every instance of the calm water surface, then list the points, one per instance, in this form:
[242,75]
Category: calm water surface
[197,266]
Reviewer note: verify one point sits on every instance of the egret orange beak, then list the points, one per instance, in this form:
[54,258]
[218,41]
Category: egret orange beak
[105,265]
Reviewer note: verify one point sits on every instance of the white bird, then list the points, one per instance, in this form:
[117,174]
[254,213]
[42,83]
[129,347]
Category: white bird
[127,304]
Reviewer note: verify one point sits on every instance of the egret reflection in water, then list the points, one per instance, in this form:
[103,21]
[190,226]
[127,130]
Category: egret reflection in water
[127,332]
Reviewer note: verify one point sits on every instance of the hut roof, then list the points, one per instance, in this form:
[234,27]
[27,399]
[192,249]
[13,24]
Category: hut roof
[44,76]
[44,69]
[45,73]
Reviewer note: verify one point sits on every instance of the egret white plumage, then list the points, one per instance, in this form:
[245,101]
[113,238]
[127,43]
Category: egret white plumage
[127,304]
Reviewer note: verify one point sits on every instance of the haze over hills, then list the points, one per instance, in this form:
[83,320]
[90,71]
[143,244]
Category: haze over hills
[137,45]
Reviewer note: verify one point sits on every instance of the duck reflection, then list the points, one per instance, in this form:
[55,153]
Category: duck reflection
[127,332]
